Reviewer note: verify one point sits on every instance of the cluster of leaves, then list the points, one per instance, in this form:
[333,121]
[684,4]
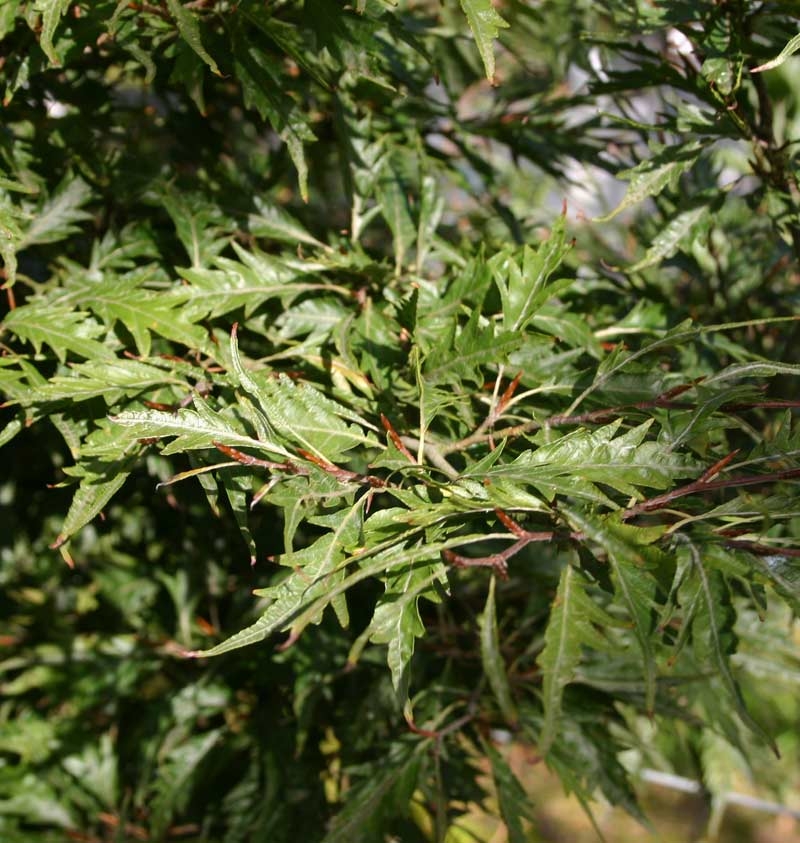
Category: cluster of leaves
[303,269]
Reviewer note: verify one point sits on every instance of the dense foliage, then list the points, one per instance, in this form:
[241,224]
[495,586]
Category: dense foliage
[305,299]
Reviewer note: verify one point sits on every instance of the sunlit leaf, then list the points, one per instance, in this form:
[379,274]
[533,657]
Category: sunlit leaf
[189,29]
[485,24]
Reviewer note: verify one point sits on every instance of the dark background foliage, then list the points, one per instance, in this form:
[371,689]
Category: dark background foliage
[561,265]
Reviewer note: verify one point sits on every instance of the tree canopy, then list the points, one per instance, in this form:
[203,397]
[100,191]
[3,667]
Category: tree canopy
[384,384]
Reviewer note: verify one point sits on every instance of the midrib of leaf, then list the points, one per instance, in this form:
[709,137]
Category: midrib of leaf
[160,424]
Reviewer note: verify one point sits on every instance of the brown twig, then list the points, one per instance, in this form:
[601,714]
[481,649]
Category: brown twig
[397,441]
[343,475]
[479,437]
[703,486]
[250,460]
[597,416]
[762,549]
[705,483]
[499,561]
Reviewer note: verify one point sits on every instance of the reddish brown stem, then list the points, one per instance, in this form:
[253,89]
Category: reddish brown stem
[664,401]
[711,473]
[763,549]
[248,459]
[701,486]
[499,561]
[398,442]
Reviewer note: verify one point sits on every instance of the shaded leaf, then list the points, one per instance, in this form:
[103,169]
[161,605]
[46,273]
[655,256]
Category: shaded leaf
[96,489]
[569,628]
[492,659]
[654,174]
[634,584]
[713,637]
[387,791]
[669,239]
[397,622]
[57,218]
[515,804]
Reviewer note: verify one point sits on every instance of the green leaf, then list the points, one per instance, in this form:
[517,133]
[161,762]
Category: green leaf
[397,622]
[392,193]
[634,583]
[109,379]
[515,804]
[586,757]
[189,29]
[57,218]
[669,239]
[260,76]
[146,312]
[314,578]
[575,463]
[485,24]
[387,791]
[97,486]
[712,632]
[249,284]
[654,174]
[199,223]
[301,413]
[789,50]
[52,12]
[191,429]
[431,208]
[237,487]
[30,737]
[95,769]
[12,220]
[492,659]
[525,285]
[474,348]
[60,327]
[275,223]
[570,628]
[177,773]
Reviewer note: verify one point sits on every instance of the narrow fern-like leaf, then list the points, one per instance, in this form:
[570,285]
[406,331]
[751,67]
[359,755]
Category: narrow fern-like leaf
[485,24]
